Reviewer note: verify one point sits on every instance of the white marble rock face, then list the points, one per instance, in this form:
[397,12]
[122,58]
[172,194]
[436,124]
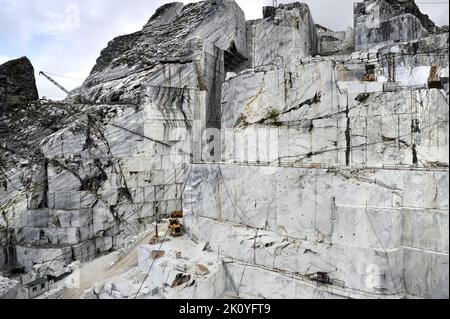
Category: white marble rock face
[305,115]
[326,164]
[312,217]
[100,183]
[285,37]
[331,42]
[379,23]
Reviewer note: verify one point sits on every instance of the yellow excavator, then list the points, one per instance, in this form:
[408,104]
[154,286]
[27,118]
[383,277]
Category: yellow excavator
[176,228]
[177,214]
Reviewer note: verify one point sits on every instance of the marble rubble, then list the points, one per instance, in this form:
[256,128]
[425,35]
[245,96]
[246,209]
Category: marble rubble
[8,288]
[347,132]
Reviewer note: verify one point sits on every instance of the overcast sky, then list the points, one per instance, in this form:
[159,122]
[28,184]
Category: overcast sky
[65,37]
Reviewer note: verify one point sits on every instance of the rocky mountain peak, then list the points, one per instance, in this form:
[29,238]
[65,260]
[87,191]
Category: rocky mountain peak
[165,14]
[409,7]
[171,35]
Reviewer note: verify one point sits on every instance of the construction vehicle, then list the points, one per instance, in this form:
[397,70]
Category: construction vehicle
[320,277]
[325,279]
[62,88]
[176,214]
[176,228]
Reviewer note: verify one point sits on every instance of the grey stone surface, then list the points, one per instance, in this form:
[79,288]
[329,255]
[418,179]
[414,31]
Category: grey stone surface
[168,51]
[17,82]
[284,36]
[336,159]
[268,118]
[311,220]
[379,23]
[331,42]
[8,288]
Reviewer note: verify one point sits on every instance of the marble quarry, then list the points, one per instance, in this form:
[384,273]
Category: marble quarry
[331,42]
[379,23]
[308,162]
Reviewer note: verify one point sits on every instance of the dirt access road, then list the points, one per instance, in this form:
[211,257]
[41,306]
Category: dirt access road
[97,271]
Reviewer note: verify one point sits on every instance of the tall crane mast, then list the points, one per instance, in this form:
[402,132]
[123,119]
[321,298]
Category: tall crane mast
[54,82]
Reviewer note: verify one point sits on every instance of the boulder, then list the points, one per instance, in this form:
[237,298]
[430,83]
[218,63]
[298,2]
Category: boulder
[17,82]
[286,34]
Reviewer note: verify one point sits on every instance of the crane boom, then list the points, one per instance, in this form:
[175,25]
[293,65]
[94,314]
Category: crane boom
[54,82]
